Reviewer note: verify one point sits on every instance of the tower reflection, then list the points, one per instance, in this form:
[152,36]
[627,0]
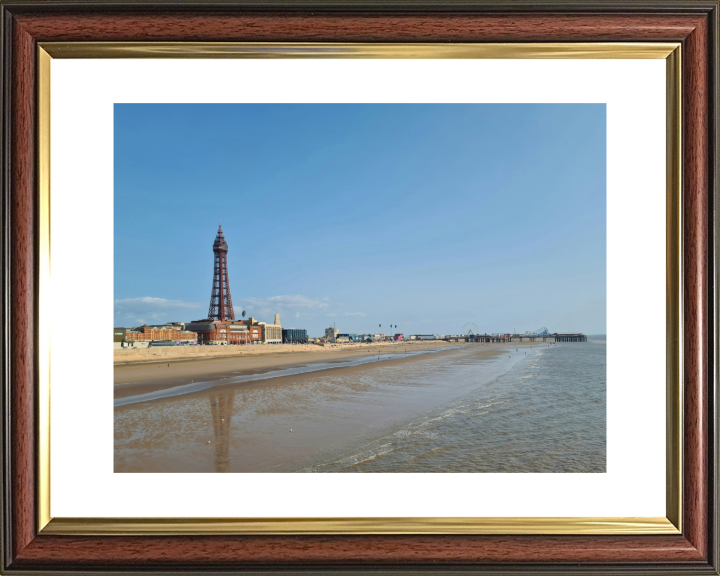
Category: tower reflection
[221,407]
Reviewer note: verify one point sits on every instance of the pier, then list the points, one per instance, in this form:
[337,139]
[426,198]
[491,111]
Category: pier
[570,338]
[492,338]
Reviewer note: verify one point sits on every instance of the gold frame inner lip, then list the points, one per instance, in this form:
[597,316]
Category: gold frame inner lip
[268,526]
[530,50]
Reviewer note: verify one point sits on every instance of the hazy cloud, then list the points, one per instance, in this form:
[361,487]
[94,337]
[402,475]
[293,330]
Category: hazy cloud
[148,310]
[290,305]
[289,301]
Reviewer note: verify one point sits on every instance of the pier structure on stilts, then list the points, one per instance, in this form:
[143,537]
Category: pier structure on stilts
[542,335]
[570,337]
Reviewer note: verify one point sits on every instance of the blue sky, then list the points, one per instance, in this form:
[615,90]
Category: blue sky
[424,216]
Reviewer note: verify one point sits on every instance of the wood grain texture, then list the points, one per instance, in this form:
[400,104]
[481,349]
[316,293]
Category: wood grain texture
[666,554]
[22,293]
[696,199]
[318,27]
[295,550]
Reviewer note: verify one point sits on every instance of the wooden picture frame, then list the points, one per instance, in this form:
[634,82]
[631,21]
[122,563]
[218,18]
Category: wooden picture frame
[30,545]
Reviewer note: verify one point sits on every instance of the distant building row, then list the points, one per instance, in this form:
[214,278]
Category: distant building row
[333,335]
[212,332]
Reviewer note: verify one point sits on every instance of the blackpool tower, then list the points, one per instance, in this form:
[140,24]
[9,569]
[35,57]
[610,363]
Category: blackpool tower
[221,307]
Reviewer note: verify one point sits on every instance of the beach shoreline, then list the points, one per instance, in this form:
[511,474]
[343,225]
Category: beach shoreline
[124,357]
[145,378]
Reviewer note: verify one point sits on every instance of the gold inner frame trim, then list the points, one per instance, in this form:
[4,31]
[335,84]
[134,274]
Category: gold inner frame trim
[671,52]
[177,526]
[609,50]
[43,158]
[673,307]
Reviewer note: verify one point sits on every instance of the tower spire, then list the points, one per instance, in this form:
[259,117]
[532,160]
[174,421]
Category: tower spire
[221,307]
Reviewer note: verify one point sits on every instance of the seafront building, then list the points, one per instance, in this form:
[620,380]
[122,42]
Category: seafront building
[269,333]
[272,333]
[294,336]
[217,332]
[147,333]
[247,331]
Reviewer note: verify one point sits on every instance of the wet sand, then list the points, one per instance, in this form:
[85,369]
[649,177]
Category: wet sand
[245,427]
[145,375]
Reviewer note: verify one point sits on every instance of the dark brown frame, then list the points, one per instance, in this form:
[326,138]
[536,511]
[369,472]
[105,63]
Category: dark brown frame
[694,23]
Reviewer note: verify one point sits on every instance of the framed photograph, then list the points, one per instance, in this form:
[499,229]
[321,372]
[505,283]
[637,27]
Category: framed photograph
[393,287]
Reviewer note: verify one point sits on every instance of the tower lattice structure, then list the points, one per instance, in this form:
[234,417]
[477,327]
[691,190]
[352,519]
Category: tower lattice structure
[221,307]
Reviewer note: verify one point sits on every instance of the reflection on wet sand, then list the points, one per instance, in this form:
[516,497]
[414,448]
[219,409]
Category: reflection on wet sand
[348,402]
[168,388]
[221,407]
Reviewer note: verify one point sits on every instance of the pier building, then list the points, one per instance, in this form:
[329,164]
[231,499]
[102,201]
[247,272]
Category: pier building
[570,337]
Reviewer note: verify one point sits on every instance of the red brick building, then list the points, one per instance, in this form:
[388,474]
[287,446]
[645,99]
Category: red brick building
[154,333]
[225,332]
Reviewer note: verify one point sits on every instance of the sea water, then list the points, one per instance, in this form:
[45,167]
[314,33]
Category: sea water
[547,414]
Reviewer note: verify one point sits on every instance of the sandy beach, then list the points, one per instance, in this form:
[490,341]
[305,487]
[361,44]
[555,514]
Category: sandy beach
[153,364]
[163,353]
[267,367]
